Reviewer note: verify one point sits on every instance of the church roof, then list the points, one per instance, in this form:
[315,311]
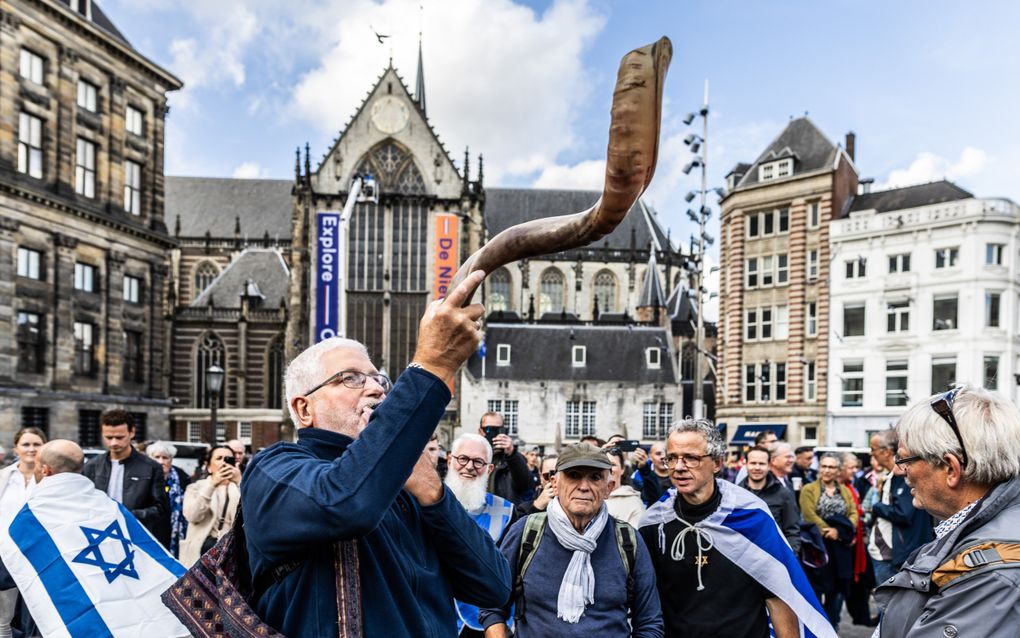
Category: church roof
[801,140]
[652,295]
[909,197]
[506,207]
[255,272]
[213,203]
[613,353]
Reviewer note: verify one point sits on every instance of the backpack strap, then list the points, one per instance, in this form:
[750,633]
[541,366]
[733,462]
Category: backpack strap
[626,543]
[990,555]
[534,527]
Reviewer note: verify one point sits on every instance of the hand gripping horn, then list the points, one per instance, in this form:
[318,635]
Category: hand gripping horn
[630,163]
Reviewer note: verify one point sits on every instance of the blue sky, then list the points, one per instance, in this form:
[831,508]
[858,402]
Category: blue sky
[930,88]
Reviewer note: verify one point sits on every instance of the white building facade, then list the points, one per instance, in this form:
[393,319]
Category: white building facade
[924,295]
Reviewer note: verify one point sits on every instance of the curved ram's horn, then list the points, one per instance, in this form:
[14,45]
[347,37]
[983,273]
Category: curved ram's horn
[633,147]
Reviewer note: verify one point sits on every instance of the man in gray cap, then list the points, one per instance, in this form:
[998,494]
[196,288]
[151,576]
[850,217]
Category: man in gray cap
[572,541]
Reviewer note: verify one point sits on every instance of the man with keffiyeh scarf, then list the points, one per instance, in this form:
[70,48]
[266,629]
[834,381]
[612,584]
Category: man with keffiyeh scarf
[577,586]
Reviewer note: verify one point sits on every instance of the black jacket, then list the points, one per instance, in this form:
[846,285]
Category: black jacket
[783,507]
[144,490]
[512,478]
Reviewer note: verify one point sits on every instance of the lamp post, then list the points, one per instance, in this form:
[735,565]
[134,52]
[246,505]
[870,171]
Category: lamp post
[213,385]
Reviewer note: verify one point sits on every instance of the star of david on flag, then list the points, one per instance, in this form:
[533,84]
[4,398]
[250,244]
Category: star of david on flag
[93,554]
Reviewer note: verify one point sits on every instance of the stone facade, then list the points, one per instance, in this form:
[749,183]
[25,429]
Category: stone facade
[82,233]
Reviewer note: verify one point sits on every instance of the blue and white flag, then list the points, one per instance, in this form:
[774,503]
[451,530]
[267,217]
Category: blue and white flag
[743,530]
[86,567]
[494,518]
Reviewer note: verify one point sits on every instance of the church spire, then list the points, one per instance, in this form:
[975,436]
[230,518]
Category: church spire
[419,90]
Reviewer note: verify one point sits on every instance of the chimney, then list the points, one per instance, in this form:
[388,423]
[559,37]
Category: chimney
[865,185]
[851,138]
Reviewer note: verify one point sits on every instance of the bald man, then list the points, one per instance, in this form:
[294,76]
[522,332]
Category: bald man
[59,456]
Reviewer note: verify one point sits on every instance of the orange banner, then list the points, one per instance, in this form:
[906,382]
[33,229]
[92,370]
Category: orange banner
[446,253]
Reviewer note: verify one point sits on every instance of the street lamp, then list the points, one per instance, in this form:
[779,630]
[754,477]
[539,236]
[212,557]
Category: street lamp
[213,385]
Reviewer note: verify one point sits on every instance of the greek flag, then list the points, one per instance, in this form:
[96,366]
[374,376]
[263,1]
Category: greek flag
[493,518]
[743,530]
[86,567]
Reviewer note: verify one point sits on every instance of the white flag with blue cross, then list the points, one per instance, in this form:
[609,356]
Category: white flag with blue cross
[85,565]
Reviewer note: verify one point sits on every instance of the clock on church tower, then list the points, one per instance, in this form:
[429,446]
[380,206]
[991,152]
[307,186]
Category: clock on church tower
[389,115]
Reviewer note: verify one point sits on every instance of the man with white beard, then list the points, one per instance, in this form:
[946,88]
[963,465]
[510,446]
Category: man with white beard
[470,463]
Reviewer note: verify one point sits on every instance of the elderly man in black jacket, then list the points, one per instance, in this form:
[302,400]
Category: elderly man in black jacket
[763,484]
[129,477]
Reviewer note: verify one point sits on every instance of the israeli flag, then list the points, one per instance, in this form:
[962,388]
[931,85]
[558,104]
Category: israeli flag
[743,530]
[85,565]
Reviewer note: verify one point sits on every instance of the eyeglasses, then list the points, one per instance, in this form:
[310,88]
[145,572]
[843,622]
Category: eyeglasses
[464,460]
[943,407]
[355,380]
[691,461]
[904,462]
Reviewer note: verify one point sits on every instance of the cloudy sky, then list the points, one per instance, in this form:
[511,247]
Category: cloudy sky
[930,87]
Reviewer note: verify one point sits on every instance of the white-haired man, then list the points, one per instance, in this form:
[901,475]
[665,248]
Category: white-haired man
[470,464]
[350,529]
[961,454]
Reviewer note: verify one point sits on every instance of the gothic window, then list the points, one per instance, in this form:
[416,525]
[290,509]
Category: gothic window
[551,292]
[274,374]
[605,291]
[210,352]
[499,291]
[394,169]
[205,273]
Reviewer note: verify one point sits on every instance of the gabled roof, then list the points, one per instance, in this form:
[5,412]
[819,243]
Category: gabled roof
[506,207]
[652,295]
[909,197]
[614,353]
[800,139]
[212,204]
[101,20]
[256,271]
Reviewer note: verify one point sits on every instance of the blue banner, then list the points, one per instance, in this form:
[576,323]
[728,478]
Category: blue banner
[327,277]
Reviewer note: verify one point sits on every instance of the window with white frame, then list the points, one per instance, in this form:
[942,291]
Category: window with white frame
[31,67]
[29,263]
[767,273]
[751,325]
[132,289]
[580,419]
[943,374]
[656,419]
[944,312]
[897,315]
[853,384]
[767,172]
[507,408]
[812,264]
[30,157]
[578,356]
[752,272]
[84,277]
[244,432]
[753,225]
[503,354]
[653,358]
[782,322]
[765,382]
[194,433]
[990,372]
[782,268]
[810,383]
[764,223]
[87,95]
[784,167]
[132,187]
[810,433]
[899,263]
[946,257]
[134,121]
[85,168]
[853,319]
[84,349]
[856,268]
[993,254]
[775,170]
[780,382]
[765,323]
[750,382]
[992,304]
[896,383]
[811,318]
[813,214]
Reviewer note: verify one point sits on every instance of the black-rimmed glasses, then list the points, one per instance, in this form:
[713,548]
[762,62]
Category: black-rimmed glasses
[691,461]
[355,380]
[943,407]
[463,460]
[904,462]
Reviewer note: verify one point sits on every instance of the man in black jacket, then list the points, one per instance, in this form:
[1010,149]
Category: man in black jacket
[511,479]
[763,484]
[129,477]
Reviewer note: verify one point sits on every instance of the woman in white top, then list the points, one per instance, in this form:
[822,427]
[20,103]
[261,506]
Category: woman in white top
[16,483]
[210,504]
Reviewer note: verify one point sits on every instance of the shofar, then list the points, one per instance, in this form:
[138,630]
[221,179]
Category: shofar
[630,164]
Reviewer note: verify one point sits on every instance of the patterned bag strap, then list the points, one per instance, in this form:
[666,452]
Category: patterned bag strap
[348,590]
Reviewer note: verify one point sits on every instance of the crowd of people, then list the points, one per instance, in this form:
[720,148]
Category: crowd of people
[365,525]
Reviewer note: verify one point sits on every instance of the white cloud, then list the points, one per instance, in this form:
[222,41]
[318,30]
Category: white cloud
[586,175]
[512,98]
[250,170]
[928,167]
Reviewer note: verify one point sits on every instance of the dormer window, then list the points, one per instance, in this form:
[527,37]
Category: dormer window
[84,7]
[503,354]
[578,356]
[775,170]
[653,358]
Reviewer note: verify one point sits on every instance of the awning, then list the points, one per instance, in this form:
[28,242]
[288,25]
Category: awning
[747,431]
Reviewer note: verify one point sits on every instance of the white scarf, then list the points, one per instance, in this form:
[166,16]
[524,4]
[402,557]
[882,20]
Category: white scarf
[577,589]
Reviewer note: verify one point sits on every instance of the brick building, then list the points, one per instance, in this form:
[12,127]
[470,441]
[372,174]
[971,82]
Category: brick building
[82,233]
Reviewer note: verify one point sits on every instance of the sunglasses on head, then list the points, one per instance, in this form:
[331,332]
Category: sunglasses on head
[943,406]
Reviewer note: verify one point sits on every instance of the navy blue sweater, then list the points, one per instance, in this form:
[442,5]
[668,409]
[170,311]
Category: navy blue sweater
[607,616]
[911,526]
[298,499]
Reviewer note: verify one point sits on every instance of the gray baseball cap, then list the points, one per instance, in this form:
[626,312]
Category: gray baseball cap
[583,455]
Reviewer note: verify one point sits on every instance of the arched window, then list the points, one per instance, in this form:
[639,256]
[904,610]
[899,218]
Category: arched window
[210,352]
[274,373]
[394,168]
[205,273]
[551,292]
[605,291]
[499,291]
